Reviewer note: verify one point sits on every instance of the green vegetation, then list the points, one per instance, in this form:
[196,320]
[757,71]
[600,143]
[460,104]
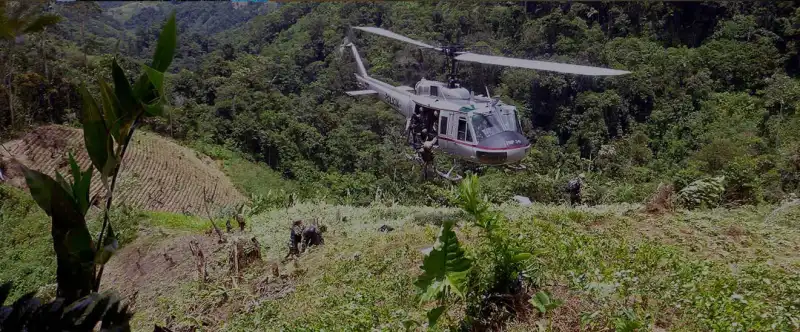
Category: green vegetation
[713,92]
[609,265]
[710,111]
[29,261]
[28,258]
[107,132]
[249,177]
[445,271]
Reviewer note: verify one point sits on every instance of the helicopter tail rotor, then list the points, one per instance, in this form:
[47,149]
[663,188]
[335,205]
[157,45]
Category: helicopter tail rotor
[345,43]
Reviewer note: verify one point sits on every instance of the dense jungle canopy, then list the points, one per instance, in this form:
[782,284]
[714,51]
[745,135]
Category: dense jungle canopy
[713,93]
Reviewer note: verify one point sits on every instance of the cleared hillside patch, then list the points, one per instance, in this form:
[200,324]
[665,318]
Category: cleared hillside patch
[157,174]
[28,258]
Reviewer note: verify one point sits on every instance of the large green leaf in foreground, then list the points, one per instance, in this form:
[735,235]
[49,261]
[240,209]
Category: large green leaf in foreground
[445,267]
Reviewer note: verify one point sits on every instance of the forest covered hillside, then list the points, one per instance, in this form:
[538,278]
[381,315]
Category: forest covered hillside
[712,93]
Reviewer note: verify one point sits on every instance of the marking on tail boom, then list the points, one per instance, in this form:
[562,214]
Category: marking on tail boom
[391,100]
[361,92]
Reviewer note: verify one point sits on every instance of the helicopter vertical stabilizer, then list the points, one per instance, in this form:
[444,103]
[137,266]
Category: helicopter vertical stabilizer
[361,69]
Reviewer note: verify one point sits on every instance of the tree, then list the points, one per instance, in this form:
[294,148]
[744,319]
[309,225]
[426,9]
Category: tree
[18,19]
[107,132]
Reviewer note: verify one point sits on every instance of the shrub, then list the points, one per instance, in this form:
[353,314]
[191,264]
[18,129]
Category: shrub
[269,201]
[716,155]
[702,193]
[742,182]
[687,175]
[546,188]
[445,271]
[492,289]
[29,313]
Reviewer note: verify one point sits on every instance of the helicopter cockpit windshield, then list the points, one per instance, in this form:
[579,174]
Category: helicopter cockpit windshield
[488,124]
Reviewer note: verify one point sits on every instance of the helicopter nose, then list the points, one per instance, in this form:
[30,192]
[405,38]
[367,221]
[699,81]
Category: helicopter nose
[503,148]
[504,140]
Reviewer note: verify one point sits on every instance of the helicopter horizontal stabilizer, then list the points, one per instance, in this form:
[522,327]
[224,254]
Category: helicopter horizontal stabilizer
[361,93]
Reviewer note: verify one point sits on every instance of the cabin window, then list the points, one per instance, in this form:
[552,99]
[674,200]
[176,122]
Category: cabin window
[434,91]
[464,134]
[443,126]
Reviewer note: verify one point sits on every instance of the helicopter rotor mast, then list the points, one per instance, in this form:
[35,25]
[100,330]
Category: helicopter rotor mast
[455,53]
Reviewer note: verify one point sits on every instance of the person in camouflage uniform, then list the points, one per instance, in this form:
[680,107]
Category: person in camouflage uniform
[574,187]
[295,238]
[416,129]
[312,236]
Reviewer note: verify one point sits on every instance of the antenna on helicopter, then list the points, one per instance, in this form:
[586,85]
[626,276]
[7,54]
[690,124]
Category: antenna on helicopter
[487,92]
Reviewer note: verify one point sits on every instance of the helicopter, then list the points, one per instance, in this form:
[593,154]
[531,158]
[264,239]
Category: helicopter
[448,117]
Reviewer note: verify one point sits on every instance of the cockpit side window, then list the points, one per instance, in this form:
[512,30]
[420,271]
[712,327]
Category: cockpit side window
[435,91]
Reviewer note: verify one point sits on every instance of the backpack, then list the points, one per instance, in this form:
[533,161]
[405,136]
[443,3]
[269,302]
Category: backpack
[574,185]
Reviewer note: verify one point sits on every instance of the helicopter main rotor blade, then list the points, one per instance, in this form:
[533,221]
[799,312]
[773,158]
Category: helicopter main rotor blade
[540,65]
[387,33]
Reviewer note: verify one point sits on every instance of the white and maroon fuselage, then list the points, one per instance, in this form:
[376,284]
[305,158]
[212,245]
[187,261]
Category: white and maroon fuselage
[472,128]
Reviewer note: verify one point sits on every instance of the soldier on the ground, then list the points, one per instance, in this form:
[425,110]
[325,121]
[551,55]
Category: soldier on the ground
[240,221]
[426,151]
[295,238]
[312,236]
[574,187]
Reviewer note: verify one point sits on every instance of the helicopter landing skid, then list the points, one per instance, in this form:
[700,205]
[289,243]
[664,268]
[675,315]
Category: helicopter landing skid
[414,158]
[516,167]
[449,176]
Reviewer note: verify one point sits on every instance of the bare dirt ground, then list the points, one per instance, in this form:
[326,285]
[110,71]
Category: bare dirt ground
[157,174]
[155,261]
[158,275]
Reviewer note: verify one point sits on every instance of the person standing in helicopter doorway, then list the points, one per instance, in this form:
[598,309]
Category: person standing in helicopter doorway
[574,187]
[416,129]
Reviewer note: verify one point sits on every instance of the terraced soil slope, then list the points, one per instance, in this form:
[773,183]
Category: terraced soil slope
[157,174]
